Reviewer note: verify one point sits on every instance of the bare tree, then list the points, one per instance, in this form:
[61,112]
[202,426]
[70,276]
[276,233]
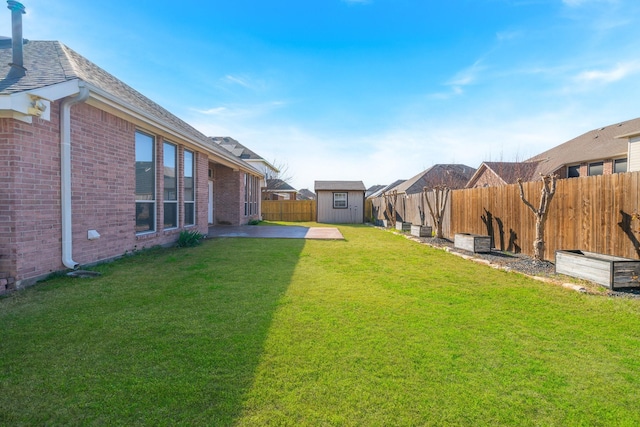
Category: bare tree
[277,178]
[437,209]
[390,199]
[280,172]
[546,195]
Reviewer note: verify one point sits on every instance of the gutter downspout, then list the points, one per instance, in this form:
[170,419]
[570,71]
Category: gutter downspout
[65,173]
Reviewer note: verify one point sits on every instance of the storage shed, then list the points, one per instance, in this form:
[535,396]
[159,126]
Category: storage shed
[340,202]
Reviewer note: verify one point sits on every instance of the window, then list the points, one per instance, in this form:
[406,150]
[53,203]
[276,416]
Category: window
[573,171]
[251,194]
[596,168]
[189,189]
[339,200]
[620,166]
[170,186]
[145,183]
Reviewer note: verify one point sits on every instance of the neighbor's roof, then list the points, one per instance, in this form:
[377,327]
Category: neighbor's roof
[508,172]
[453,175]
[373,189]
[597,144]
[339,185]
[51,63]
[387,188]
[306,194]
[276,184]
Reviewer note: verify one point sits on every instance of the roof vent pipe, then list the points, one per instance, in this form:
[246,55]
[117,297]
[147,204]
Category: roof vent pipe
[17,66]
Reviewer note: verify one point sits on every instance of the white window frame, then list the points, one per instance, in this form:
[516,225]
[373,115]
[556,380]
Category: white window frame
[340,200]
[194,184]
[152,202]
[174,201]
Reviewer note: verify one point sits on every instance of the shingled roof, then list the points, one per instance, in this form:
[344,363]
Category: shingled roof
[235,147]
[507,172]
[597,144]
[51,63]
[339,186]
[453,175]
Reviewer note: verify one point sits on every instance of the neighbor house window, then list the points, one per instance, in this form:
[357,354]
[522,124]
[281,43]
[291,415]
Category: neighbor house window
[339,200]
[620,166]
[573,171]
[189,189]
[170,153]
[596,168]
[145,183]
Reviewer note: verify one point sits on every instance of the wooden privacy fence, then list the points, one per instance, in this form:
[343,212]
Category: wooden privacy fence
[411,208]
[289,210]
[592,214]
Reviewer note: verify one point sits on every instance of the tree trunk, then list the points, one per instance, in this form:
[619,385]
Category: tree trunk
[546,194]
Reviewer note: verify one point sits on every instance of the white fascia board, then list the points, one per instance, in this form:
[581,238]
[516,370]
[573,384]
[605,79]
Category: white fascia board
[106,98]
[20,105]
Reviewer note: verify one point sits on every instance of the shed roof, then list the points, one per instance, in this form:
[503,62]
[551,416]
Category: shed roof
[339,186]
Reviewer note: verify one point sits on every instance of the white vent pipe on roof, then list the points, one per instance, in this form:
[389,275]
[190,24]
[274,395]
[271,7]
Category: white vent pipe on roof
[65,173]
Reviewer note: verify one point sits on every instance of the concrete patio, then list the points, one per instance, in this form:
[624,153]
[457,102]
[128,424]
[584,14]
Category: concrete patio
[276,232]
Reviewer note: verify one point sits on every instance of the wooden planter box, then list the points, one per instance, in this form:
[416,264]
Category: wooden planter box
[607,270]
[403,226]
[421,230]
[472,242]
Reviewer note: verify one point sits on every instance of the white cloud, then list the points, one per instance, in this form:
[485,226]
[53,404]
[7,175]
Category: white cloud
[237,80]
[619,72]
[240,112]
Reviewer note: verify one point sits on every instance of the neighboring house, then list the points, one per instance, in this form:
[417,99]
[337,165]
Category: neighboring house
[340,202]
[373,190]
[453,176]
[494,174]
[633,138]
[386,189]
[278,189]
[91,169]
[597,152]
[247,155]
[601,151]
[306,194]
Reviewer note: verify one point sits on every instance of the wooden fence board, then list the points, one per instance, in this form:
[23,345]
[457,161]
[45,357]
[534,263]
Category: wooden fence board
[590,214]
[289,210]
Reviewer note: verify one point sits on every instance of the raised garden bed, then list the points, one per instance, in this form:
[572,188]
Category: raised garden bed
[472,242]
[403,226]
[421,230]
[606,270]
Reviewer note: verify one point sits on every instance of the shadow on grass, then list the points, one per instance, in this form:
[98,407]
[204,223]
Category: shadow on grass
[162,338]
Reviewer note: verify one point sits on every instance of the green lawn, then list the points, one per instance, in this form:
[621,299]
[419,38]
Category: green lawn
[376,330]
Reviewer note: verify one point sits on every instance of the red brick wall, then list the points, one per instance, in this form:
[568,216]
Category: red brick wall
[103,193]
[228,201]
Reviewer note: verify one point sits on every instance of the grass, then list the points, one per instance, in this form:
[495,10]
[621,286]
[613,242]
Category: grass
[373,330]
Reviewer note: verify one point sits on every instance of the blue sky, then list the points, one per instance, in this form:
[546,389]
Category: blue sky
[371,90]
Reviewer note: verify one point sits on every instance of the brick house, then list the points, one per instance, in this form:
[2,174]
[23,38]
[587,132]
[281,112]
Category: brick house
[91,169]
[602,151]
